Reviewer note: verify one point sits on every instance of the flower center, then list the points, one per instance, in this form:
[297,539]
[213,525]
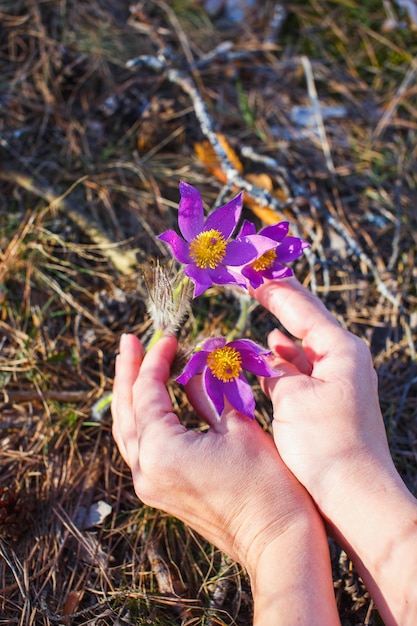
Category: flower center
[264,261]
[225,363]
[208,249]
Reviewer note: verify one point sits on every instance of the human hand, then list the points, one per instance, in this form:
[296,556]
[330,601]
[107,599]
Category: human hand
[229,484]
[329,431]
[327,420]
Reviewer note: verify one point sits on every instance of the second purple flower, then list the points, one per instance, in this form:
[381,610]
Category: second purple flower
[272,264]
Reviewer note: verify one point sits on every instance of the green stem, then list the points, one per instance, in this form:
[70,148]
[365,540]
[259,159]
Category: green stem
[158,334]
[182,284]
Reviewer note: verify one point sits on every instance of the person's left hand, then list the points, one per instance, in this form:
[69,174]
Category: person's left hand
[228,483]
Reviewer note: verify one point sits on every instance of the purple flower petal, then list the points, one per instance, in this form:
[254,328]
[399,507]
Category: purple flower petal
[225,218]
[253,357]
[256,364]
[247,249]
[240,252]
[277,232]
[239,394]
[214,389]
[224,276]
[277,271]
[248,228]
[194,366]
[190,212]
[248,344]
[256,279]
[178,246]
[213,343]
[200,278]
[289,250]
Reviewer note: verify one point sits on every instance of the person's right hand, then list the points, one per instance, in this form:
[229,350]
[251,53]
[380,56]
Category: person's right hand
[329,431]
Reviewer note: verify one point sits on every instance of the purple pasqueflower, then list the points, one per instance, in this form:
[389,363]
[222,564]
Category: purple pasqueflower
[205,248]
[221,365]
[271,264]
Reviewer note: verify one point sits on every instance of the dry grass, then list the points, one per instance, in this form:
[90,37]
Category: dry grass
[92,154]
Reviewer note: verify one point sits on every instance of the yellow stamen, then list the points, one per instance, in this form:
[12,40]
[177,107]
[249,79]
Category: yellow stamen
[264,261]
[225,363]
[208,249]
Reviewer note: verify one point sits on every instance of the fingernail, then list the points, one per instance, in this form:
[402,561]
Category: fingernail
[122,343]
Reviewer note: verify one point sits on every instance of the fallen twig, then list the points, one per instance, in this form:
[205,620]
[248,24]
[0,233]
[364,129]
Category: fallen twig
[30,395]
[221,587]
[312,92]
[159,64]
[169,583]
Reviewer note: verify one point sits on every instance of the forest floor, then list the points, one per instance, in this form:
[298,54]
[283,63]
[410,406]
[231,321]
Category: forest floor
[308,107]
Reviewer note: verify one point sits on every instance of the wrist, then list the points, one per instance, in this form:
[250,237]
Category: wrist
[351,484]
[374,518]
[292,580]
[356,467]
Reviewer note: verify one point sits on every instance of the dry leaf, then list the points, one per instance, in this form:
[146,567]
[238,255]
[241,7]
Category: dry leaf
[206,154]
[72,602]
[267,214]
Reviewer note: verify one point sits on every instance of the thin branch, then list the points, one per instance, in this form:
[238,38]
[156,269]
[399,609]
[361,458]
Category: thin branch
[312,92]
[394,103]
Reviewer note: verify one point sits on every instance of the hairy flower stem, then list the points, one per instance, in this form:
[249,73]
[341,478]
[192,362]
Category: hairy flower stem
[169,299]
[168,305]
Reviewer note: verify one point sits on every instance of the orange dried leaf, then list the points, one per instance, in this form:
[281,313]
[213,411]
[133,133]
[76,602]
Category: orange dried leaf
[266,214]
[72,602]
[206,154]
[263,181]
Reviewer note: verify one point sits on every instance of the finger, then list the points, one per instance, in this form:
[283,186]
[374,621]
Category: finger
[297,309]
[287,372]
[128,364]
[151,399]
[115,415]
[327,346]
[301,313]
